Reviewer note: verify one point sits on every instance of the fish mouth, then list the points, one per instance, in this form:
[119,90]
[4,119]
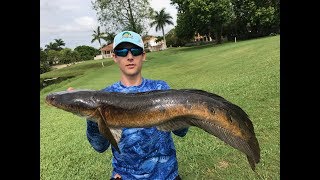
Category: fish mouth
[50,100]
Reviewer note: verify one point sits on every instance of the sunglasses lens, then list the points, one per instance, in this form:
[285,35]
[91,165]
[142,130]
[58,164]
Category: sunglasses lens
[121,52]
[124,52]
[136,51]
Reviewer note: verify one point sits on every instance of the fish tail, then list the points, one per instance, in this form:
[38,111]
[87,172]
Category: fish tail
[255,157]
[252,163]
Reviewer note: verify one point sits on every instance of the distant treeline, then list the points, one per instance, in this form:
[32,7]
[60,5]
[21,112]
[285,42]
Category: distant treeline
[224,19]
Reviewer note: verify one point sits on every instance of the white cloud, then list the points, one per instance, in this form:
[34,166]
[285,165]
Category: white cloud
[61,5]
[81,24]
[70,8]
[86,22]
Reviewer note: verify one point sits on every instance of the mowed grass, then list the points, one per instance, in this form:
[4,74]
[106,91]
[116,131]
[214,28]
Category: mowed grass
[246,73]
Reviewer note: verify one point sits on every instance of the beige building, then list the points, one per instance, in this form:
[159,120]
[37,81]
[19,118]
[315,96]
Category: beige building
[151,44]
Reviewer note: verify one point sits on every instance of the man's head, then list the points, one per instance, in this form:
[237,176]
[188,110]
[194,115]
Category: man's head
[128,53]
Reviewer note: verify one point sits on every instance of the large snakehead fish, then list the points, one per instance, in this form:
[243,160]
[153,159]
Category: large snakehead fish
[167,110]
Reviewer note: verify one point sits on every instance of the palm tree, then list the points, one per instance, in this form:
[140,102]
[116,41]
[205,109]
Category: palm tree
[161,19]
[59,43]
[109,37]
[97,36]
[52,46]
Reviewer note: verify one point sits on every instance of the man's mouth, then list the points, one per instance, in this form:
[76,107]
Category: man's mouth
[130,65]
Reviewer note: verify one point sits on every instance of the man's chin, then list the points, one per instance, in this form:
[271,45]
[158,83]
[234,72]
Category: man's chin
[131,73]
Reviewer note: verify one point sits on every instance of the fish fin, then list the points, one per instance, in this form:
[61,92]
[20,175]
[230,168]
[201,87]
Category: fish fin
[117,133]
[110,134]
[249,147]
[205,93]
[174,124]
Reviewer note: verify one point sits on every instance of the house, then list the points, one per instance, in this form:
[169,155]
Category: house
[151,44]
[106,52]
[198,37]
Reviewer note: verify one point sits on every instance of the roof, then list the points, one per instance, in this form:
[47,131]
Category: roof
[108,47]
[148,38]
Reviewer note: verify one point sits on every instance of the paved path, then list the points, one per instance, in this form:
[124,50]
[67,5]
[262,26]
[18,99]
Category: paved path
[65,65]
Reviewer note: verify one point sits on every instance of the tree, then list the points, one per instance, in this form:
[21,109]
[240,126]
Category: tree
[44,64]
[173,40]
[205,16]
[53,57]
[43,55]
[59,43]
[86,52]
[68,56]
[109,37]
[161,19]
[97,36]
[56,45]
[185,29]
[255,18]
[52,46]
[118,15]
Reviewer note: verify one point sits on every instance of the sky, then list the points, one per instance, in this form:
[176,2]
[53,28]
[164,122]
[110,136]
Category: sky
[73,21]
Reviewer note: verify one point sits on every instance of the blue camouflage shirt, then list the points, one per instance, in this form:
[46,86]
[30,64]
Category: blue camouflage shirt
[146,153]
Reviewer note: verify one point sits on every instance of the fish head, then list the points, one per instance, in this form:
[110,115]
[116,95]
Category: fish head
[81,102]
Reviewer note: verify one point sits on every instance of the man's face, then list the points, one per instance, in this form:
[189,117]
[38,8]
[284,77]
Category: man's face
[129,65]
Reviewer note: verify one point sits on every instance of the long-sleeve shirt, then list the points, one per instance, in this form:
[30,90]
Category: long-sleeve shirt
[146,153]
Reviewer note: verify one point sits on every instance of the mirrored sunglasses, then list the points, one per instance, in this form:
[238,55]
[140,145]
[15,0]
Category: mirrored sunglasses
[124,51]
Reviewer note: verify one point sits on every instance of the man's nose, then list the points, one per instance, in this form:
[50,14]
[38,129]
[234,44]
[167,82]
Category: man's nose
[130,56]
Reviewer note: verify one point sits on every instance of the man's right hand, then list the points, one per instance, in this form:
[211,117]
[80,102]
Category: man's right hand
[70,89]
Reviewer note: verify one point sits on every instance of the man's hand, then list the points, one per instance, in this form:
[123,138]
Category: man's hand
[70,89]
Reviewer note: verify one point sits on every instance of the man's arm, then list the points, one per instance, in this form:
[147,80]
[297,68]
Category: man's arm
[95,138]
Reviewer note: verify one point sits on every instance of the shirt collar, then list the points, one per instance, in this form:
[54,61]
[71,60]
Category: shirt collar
[135,86]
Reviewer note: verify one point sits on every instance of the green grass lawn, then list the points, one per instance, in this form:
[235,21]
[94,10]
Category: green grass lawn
[246,73]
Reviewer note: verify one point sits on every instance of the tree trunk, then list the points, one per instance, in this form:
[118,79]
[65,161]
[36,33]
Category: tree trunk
[164,39]
[101,55]
[218,32]
[131,20]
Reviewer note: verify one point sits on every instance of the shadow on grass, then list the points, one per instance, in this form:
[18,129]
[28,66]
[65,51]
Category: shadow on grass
[46,82]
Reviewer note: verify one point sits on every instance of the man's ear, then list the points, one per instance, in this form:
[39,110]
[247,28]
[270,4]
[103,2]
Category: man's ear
[114,57]
[144,56]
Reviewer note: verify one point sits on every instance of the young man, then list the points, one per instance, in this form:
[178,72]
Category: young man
[146,153]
